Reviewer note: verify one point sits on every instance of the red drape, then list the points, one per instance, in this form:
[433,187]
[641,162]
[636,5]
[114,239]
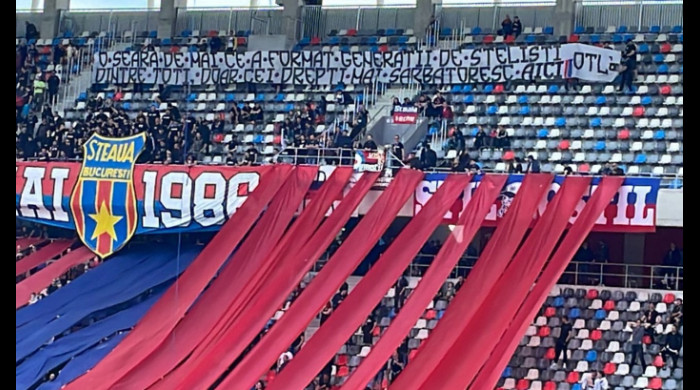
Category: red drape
[244,275]
[160,320]
[468,224]
[488,268]
[353,311]
[24,243]
[237,277]
[43,278]
[41,256]
[356,246]
[284,279]
[477,339]
[489,374]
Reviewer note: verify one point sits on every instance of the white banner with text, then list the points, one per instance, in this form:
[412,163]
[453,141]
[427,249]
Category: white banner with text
[487,64]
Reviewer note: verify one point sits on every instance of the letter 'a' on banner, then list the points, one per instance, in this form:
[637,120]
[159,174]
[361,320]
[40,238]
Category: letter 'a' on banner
[103,203]
[433,67]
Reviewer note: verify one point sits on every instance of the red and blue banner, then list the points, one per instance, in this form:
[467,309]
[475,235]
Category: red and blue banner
[179,198]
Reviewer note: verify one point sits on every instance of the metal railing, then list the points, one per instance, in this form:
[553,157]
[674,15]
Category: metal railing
[639,13]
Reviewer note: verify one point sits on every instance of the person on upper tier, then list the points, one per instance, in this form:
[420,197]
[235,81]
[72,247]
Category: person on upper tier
[533,166]
[629,65]
[507,26]
[517,26]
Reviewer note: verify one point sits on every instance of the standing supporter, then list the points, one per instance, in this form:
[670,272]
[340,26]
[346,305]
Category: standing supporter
[672,348]
[517,26]
[506,26]
[629,65]
[561,348]
[636,342]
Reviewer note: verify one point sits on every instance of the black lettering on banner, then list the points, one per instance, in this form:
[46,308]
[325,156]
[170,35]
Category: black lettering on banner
[286,75]
[345,59]
[475,58]
[533,54]
[103,59]
[256,60]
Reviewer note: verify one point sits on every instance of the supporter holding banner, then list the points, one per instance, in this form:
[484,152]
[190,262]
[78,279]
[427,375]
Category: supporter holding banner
[405,115]
[433,67]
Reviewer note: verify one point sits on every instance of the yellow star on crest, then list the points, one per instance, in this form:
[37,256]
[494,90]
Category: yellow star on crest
[105,223]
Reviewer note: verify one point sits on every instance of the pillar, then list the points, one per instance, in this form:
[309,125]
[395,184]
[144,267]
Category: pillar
[167,17]
[291,16]
[564,14]
[424,11]
[51,16]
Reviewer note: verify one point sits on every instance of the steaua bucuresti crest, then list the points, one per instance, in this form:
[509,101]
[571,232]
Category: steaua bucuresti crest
[103,202]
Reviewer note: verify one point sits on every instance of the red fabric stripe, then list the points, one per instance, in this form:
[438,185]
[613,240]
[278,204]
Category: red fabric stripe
[602,196]
[78,217]
[466,227]
[241,275]
[352,312]
[24,243]
[43,278]
[353,250]
[104,197]
[130,210]
[289,276]
[459,366]
[41,256]
[160,320]
[492,262]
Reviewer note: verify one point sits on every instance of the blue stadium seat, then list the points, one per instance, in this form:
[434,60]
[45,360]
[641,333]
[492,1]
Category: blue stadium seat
[446,31]
[488,88]
[304,41]
[374,49]
[440,313]
[390,32]
[660,135]
[575,312]
[662,69]
[549,30]
[402,40]
[617,38]
[579,30]
[542,133]
[279,98]
[591,356]
[507,373]
[655,29]
[372,40]
[640,159]
[600,314]
[186,33]
[531,39]
[492,110]
[553,88]
[469,99]
[600,100]
[289,107]
[259,139]
[659,58]
[260,97]
[191,97]
[241,105]
[522,99]
[345,49]
[433,130]
[126,106]
[600,145]
[476,30]
[474,131]
[467,88]
[297,47]
[643,48]
[82,97]
[166,41]
[595,38]
[560,122]
[596,122]
[456,89]
[525,110]
[334,41]
[230,98]
[575,386]
[558,302]
[153,34]
[646,100]
[110,95]
[677,29]
[622,29]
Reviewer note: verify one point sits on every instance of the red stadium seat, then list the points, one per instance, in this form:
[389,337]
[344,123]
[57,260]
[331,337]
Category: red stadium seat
[376,331]
[240,41]
[509,155]
[669,298]
[270,376]
[596,335]
[550,386]
[277,139]
[488,39]
[665,48]
[498,88]
[609,368]
[342,371]
[646,340]
[383,48]
[592,294]
[523,384]
[609,305]
[638,111]
[550,312]
[655,383]
[573,38]
[573,377]
[584,168]
[341,360]
[212,33]
[315,41]
[665,90]
[352,32]
[549,354]
[174,49]
[564,145]
[509,39]
[430,315]
[545,331]
[623,134]
[658,361]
